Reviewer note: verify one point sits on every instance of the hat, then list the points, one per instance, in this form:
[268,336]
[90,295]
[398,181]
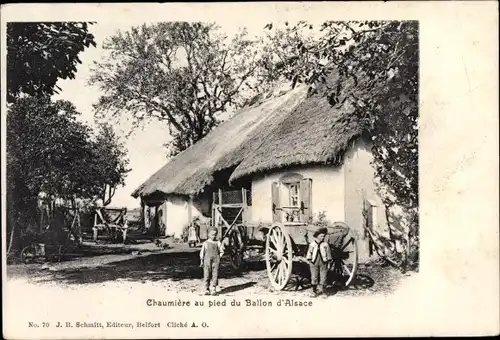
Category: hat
[320,231]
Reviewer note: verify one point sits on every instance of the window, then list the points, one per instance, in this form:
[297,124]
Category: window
[291,212]
[293,194]
[291,200]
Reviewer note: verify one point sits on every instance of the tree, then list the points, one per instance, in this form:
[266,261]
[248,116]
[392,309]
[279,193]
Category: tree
[40,53]
[50,151]
[376,69]
[109,162]
[183,74]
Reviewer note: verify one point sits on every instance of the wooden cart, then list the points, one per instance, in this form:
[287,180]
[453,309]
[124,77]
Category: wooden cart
[283,245]
[55,242]
[112,221]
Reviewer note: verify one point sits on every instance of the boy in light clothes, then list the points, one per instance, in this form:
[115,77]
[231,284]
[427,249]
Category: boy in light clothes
[210,255]
[318,256]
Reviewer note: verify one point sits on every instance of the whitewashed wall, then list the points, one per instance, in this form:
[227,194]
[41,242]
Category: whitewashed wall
[327,192]
[360,185]
[177,215]
[178,211]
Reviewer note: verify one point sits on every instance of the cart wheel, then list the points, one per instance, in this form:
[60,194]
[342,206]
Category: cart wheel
[28,254]
[343,241]
[236,248]
[279,256]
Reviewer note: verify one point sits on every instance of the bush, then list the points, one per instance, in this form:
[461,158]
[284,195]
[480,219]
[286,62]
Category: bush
[320,220]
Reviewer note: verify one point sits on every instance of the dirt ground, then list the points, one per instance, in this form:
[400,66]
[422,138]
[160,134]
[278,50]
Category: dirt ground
[177,269]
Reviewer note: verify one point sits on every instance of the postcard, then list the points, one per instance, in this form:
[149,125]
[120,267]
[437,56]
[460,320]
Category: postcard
[231,170]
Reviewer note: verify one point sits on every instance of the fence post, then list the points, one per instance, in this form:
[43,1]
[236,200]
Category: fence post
[244,203]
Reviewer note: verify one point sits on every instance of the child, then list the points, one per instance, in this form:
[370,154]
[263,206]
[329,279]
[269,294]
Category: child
[210,255]
[318,256]
[193,233]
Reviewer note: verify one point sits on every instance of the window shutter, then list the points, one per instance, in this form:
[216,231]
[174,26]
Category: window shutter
[305,200]
[276,202]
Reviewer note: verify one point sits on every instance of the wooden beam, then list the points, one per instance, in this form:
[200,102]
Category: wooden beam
[229,227]
[115,209]
[156,220]
[190,204]
[245,205]
[216,219]
[214,216]
[231,205]
[165,217]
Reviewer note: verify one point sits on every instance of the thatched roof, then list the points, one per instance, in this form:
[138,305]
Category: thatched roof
[224,147]
[291,129]
[313,133]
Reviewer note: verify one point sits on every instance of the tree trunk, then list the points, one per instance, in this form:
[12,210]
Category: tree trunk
[11,240]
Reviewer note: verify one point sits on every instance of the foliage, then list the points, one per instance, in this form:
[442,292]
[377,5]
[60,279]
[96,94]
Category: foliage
[320,220]
[49,151]
[57,154]
[110,161]
[376,65]
[183,74]
[38,54]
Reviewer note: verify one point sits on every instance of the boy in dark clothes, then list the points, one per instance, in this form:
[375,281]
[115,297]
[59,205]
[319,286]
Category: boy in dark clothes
[210,255]
[318,256]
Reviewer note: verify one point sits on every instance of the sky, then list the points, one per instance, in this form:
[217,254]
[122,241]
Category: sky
[145,147]
[146,152]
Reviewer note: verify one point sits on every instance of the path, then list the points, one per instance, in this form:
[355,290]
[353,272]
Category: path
[177,269]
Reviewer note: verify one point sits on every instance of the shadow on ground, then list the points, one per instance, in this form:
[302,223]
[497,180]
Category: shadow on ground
[87,250]
[181,270]
[149,267]
[235,288]
[362,281]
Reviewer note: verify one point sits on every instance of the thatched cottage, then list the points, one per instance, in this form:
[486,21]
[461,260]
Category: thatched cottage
[287,158]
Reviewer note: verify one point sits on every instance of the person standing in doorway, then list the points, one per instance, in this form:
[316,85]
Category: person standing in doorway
[210,255]
[193,238]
